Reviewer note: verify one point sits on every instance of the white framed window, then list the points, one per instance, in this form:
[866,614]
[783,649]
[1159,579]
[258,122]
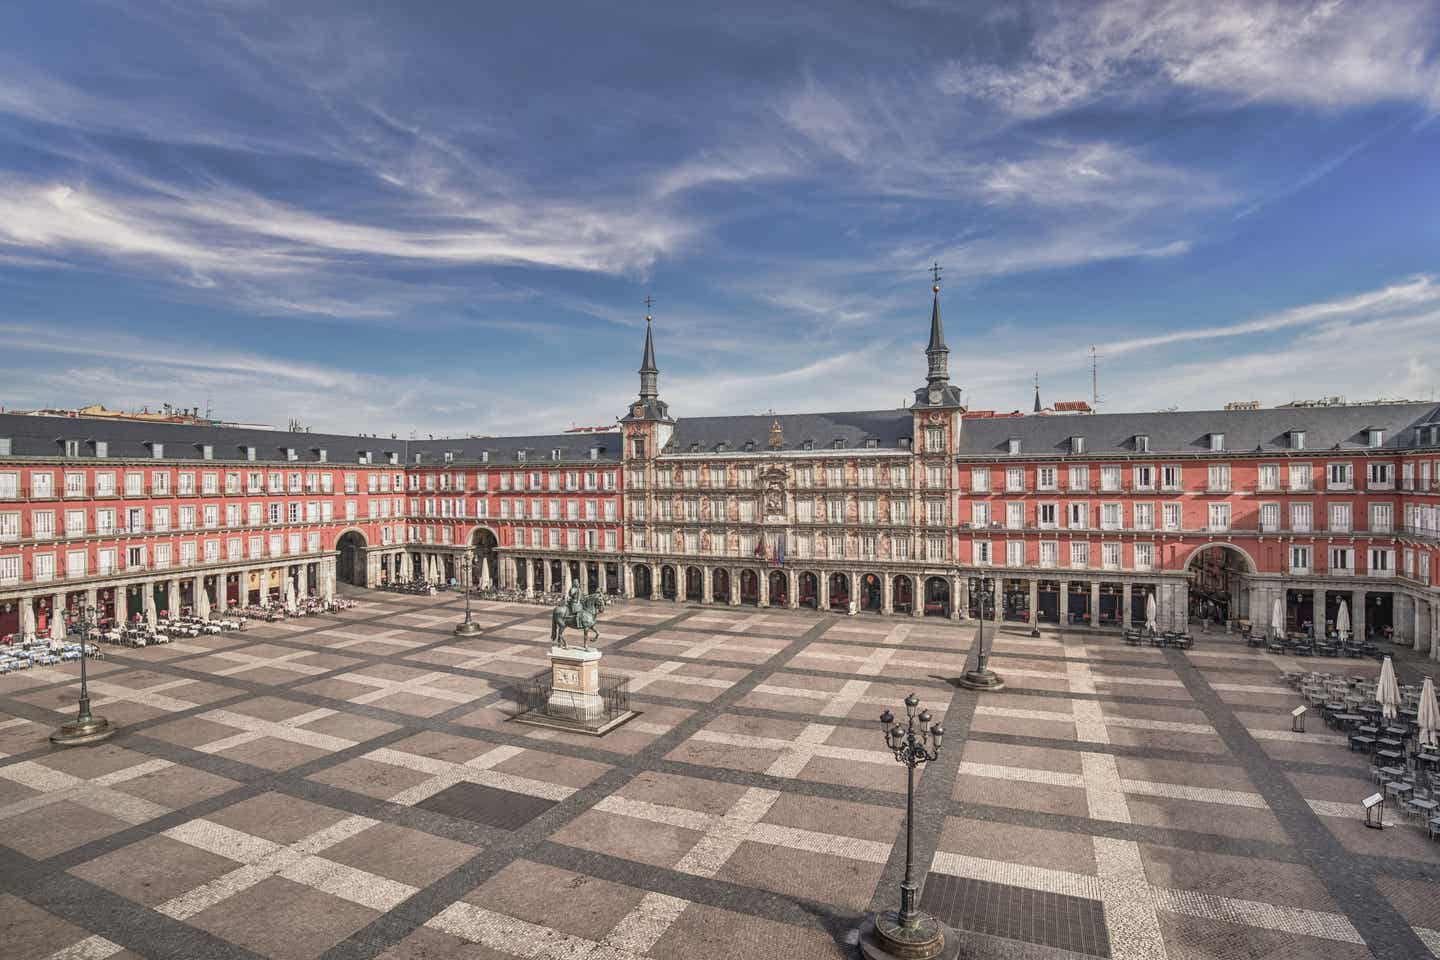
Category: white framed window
[1015,553]
[1267,477]
[1110,555]
[1047,516]
[1015,479]
[1382,517]
[1144,556]
[1381,562]
[1144,477]
[1269,518]
[1112,516]
[1299,558]
[1079,478]
[1380,476]
[1339,518]
[1301,517]
[1046,478]
[1078,514]
[1144,515]
[1049,553]
[1110,479]
[1219,517]
[1339,476]
[1341,560]
[1079,554]
[1218,477]
[1170,477]
[1014,515]
[980,553]
[1301,476]
[1171,516]
[980,515]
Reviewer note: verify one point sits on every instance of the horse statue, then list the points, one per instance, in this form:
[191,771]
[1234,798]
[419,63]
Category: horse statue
[583,620]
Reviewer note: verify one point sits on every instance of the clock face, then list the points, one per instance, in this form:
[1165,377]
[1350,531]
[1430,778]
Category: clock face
[935,395]
[637,410]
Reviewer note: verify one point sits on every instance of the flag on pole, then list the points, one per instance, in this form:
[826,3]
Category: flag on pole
[760,547]
[779,551]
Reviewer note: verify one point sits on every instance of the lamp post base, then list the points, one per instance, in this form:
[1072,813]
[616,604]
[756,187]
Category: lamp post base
[467,629]
[883,938]
[77,733]
[981,680]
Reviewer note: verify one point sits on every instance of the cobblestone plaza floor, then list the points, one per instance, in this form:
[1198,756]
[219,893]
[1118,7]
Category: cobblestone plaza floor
[350,787]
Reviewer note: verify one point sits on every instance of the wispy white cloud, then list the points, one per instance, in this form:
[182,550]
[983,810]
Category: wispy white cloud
[1320,53]
[1097,174]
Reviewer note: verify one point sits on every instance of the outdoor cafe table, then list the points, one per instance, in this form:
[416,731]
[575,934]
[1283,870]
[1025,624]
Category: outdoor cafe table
[1346,720]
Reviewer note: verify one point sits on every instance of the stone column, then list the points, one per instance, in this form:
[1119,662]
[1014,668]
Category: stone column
[1064,603]
[707,584]
[196,589]
[92,599]
[172,597]
[602,583]
[627,580]
[545,576]
[657,591]
[823,589]
[57,617]
[962,604]
[565,577]
[1418,640]
[887,593]
[734,586]
[1357,613]
[793,592]
[147,594]
[1035,602]
[762,586]
[954,598]
[997,609]
[1094,603]
[1126,595]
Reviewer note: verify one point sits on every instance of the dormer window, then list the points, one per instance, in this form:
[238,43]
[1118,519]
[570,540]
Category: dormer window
[449,456]
[749,446]
[1435,436]
[484,456]
[6,447]
[363,456]
[1297,439]
[871,443]
[554,453]
[1217,442]
[157,451]
[322,455]
[291,453]
[391,457]
[839,443]
[72,449]
[102,448]
[1142,443]
[1077,444]
[695,448]
[1377,437]
[249,452]
[519,456]
[808,445]
[1013,445]
[207,452]
[419,457]
[722,447]
[594,453]
[904,443]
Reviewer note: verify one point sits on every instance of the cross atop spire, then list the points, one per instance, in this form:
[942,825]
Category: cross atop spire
[938,392]
[1038,408]
[935,275]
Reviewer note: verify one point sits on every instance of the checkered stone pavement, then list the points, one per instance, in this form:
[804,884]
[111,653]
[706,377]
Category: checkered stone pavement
[352,786]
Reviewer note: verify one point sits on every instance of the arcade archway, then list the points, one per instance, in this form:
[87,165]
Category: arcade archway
[350,558]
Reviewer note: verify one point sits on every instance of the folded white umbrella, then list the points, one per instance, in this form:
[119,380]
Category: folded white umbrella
[202,604]
[290,603]
[1387,694]
[1342,621]
[1151,614]
[1429,718]
[1277,618]
[485,573]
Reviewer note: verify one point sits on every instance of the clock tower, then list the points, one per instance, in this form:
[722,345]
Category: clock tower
[647,424]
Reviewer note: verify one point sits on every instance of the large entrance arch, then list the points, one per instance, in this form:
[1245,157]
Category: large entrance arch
[350,560]
[779,588]
[486,564]
[937,597]
[641,575]
[694,584]
[1219,576]
[903,599]
[839,591]
[871,593]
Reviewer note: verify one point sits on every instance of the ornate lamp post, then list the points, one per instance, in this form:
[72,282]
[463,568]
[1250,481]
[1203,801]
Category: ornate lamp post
[86,727]
[469,627]
[982,677]
[909,932]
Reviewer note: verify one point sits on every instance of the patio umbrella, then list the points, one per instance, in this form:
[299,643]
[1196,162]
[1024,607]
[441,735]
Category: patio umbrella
[202,604]
[27,617]
[290,604]
[484,573]
[1151,613]
[150,613]
[1342,621]
[1277,618]
[1388,692]
[1429,718]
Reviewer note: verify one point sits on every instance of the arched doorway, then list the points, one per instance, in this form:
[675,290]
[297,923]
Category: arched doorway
[522,575]
[937,597]
[749,588]
[809,591]
[720,586]
[839,591]
[641,573]
[350,559]
[486,562]
[872,593]
[1219,576]
[667,582]
[779,589]
[903,598]
[694,584]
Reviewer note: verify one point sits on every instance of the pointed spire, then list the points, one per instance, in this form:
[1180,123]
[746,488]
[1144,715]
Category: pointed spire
[936,352]
[1038,408]
[649,373]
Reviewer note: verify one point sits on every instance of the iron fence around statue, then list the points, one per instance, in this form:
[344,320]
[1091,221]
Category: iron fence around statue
[534,694]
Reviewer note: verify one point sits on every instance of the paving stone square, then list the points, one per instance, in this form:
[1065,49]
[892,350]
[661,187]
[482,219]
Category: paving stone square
[354,786]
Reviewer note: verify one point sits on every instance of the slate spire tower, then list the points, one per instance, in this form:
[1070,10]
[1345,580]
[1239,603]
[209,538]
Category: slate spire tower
[938,391]
[649,373]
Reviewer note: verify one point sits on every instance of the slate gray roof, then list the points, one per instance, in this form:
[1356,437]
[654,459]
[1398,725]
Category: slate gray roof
[887,427]
[1188,432]
[129,439]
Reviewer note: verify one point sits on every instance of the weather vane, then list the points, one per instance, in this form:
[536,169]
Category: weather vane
[649,300]
[935,272]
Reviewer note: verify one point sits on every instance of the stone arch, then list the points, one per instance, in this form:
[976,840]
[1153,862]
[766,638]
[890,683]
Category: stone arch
[779,588]
[749,587]
[694,584]
[351,548]
[643,585]
[1219,575]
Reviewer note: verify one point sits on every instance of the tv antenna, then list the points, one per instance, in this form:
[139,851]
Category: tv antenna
[1094,378]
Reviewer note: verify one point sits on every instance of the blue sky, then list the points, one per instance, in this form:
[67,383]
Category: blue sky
[444,217]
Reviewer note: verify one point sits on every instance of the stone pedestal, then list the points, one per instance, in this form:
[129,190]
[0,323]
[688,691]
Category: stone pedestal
[575,685]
